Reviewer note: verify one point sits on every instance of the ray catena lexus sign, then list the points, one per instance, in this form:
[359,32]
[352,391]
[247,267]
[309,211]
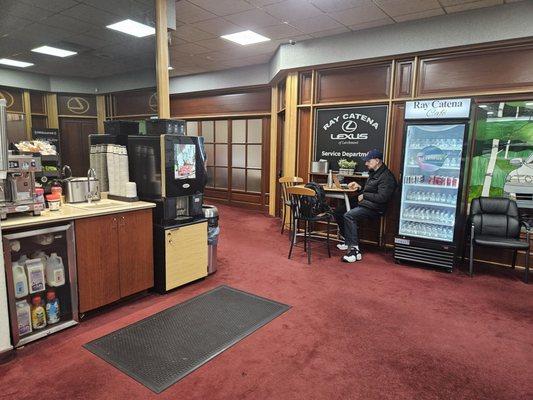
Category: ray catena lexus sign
[349,133]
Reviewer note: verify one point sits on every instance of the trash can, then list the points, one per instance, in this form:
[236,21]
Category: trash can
[213,230]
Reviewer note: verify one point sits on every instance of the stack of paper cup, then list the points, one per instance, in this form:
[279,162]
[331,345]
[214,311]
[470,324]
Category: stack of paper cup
[131,190]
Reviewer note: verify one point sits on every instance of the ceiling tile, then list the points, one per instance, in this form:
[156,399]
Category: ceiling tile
[280,31]
[223,7]
[402,7]
[26,11]
[42,33]
[190,48]
[338,5]
[218,44]
[359,15]
[65,22]
[51,5]
[316,24]
[445,3]
[252,19]
[330,32]
[474,5]
[123,8]
[419,15]
[9,24]
[218,27]
[88,41]
[191,13]
[371,24]
[290,10]
[91,15]
[191,34]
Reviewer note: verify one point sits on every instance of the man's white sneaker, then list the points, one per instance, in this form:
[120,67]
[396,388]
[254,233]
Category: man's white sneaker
[342,246]
[353,256]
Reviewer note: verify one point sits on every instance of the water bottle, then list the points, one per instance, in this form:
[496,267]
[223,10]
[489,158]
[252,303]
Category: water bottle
[330,179]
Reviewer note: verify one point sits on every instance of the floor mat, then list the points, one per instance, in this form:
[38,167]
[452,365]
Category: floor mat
[160,350]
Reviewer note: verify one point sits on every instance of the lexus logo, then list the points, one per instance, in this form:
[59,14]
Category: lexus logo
[78,105]
[349,126]
[7,96]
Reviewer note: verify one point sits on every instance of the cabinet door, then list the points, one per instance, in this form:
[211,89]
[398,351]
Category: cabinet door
[186,254]
[97,261]
[136,256]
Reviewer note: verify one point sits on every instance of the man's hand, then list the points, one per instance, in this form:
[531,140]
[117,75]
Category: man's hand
[354,185]
[360,198]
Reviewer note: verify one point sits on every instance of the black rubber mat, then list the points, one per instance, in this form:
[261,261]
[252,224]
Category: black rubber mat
[160,350]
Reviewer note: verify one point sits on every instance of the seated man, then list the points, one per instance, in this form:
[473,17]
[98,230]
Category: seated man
[372,203]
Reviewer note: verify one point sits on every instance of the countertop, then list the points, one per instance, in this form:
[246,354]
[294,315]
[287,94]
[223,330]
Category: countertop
[70,212]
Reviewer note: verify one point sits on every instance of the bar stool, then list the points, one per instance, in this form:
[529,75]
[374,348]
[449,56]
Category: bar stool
[302,210]
[287,182]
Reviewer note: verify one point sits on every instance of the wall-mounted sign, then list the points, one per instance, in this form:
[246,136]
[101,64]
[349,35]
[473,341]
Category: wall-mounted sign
[349,133]
[139,103]
[74,105]
[13,98]
[437,109]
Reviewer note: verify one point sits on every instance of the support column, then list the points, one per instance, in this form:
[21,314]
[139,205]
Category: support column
[51,110]
[291,125]
[27,112]
[163,98]
[100,113]
[273,151]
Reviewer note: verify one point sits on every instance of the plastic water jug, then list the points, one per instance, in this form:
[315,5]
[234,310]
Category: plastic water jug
[55,271]
[20,280]
[40,254]
[23,317]
[35,269]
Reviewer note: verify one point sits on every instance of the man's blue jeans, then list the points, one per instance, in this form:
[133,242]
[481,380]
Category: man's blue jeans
[348,222]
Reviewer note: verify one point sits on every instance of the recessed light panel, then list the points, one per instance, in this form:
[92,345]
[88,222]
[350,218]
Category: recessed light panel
[246,37]
[15,63]
[54,51]
[133,28]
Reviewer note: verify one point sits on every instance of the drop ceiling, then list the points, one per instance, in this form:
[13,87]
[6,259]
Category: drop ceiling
[195,46]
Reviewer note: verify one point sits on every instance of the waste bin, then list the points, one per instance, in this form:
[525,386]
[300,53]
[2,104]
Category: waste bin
[213,230]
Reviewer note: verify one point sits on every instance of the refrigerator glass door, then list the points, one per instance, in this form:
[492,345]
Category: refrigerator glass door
[431,181]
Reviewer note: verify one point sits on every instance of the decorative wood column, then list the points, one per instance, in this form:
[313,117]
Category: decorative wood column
[26,106]
[100,112]
[290,143]
[51,110]
[273,152]
[163,98]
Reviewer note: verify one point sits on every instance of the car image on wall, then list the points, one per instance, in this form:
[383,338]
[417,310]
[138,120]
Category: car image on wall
[519,182]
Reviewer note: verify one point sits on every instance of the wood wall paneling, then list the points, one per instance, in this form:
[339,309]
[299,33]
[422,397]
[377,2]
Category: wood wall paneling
[135,102]
[306,79]
[38,103]
[501,69]
[74,105]
[13,99]
[305,136]
[403,80]
[212,104]
[365,82]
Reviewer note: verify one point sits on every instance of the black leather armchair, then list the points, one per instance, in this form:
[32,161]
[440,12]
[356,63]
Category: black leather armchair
[495,222]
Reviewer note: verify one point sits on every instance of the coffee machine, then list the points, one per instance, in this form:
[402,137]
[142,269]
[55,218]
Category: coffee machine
[17,191]
[17,176]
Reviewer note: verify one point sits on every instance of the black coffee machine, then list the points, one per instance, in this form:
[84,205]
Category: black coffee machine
[170,171]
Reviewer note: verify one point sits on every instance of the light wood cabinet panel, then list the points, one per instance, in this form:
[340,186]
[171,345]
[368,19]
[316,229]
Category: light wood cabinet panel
[186,254]
[135,247]
[97,261]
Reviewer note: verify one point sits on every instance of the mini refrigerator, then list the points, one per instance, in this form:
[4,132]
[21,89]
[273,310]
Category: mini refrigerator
[25,281]
[433,176]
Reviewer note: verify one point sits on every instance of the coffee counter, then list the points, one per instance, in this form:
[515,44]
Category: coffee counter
[69,212]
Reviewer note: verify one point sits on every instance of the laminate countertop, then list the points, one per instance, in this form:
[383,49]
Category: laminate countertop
[69,212]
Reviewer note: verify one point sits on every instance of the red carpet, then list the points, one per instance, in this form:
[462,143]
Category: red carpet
[372,330]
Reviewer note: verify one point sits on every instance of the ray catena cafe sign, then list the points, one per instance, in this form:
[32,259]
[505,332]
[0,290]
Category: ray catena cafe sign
[437,109]
[349,133]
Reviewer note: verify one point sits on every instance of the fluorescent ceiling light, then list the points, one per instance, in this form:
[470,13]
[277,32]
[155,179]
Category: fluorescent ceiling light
[246,37]
[15,63]
[133,28]
[54,51]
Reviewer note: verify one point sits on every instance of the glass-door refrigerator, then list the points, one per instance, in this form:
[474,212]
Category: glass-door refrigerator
[42,291]
[432,182]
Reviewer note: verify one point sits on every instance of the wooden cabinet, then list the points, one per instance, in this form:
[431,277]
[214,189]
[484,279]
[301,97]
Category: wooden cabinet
[186,254]
[114,255]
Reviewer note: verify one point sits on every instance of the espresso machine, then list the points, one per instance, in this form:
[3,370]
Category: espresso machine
[17,176]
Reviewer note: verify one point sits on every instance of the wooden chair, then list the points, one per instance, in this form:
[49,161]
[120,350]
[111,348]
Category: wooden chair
[301,207]
[287,182]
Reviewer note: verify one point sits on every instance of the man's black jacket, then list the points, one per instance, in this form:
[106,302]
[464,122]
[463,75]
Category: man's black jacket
[378,189]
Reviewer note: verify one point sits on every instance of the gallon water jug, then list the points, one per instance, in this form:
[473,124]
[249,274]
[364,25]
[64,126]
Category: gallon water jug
[20,280]
[23,317]
[55,271]
[35,269]
[40,254]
